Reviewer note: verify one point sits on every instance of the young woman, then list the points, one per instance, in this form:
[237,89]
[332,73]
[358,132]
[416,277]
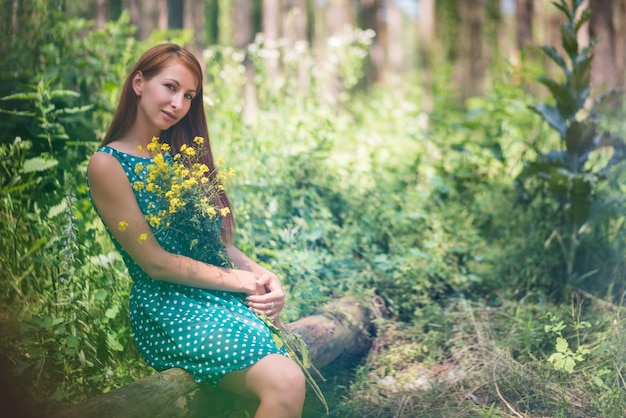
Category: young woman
[184,312]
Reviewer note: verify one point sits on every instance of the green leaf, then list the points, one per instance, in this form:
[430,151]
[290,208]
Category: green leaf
[113,343]
[579,138]
[72,341]
[57,209]
[20,96]
[561,345]
[112,312]
[570,42]
[568,364]
[585,15]
[100,294]
[38,164]
[566,102]
[553,116]
[580,78]
[556,57]
[563,7]
[63,93]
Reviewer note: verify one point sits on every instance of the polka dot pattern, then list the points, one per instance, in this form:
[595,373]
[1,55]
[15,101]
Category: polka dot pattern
[209,333]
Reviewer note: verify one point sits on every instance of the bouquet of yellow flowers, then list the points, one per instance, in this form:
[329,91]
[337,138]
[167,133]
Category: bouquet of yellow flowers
[184,197]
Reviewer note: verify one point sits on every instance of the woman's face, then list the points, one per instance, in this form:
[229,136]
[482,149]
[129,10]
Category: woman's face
[165,98]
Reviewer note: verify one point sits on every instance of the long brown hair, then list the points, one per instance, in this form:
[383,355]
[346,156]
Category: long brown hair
[151,63]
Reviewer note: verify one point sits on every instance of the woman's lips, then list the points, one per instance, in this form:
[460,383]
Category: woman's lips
[169,115]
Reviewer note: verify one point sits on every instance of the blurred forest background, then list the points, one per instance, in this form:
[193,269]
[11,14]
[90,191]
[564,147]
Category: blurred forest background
[456,166]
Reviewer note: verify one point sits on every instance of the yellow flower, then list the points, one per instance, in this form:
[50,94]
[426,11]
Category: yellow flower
[165,147]
[139,148]
[220,161]
[139,166]
[122,225]
[198,140]
[189,182]
[190,152]
[142,238]
[224,211]
[183,148]
[231,172]
[138,185]
[150,187]
[155,221]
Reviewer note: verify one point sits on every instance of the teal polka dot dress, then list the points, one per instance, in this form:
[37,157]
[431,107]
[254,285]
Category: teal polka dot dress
[209,333]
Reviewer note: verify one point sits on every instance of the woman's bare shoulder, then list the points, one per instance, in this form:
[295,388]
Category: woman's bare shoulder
[104,167]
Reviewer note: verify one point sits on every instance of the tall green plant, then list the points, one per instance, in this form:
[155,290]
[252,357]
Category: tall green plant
[567,175]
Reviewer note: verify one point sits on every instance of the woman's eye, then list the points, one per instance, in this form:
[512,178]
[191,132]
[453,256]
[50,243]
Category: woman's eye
[188,96]
[169,86]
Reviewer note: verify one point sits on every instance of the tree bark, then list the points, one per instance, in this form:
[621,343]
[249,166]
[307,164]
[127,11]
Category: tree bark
[162,14]
[341,329]
[524,20]
[295,29]
[271,33]
[370,16]
[193,18]
[469,68]
[395,47]
[244,32]
[620,42]
[604,70]
[176,11]
[426,50]
[101,14]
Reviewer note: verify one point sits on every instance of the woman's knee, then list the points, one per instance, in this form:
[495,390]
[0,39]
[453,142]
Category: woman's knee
[279,373]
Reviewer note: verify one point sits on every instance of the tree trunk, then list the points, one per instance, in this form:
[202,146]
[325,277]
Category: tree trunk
[426,50]
[524,20]
[620,42]
[370,16]
[192,15]
[244,32]
[162,14]
[469,67]
[101,14]
[342,328]
[603,72]
[271,34]
[176,15]
[295,29]
[242,37]
[394,46]
[225,22]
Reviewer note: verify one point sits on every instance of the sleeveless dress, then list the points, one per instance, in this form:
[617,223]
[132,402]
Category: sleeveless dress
[209,333]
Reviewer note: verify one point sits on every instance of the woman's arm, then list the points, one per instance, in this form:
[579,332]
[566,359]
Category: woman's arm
[115,200]
[270,299]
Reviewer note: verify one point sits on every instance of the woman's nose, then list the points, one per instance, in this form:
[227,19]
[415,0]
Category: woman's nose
[177,101]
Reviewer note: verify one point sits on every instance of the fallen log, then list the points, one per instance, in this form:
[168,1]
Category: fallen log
[341,328]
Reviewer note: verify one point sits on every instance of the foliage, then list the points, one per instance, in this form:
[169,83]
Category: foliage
[483,376]
[365,195]
[570,176]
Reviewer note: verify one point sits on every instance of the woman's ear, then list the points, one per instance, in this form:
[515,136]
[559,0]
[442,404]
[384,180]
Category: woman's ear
[138,83]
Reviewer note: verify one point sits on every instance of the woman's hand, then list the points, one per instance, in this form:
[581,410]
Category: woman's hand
[270,297]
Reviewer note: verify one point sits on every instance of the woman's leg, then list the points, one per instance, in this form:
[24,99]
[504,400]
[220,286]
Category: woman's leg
[276,381]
